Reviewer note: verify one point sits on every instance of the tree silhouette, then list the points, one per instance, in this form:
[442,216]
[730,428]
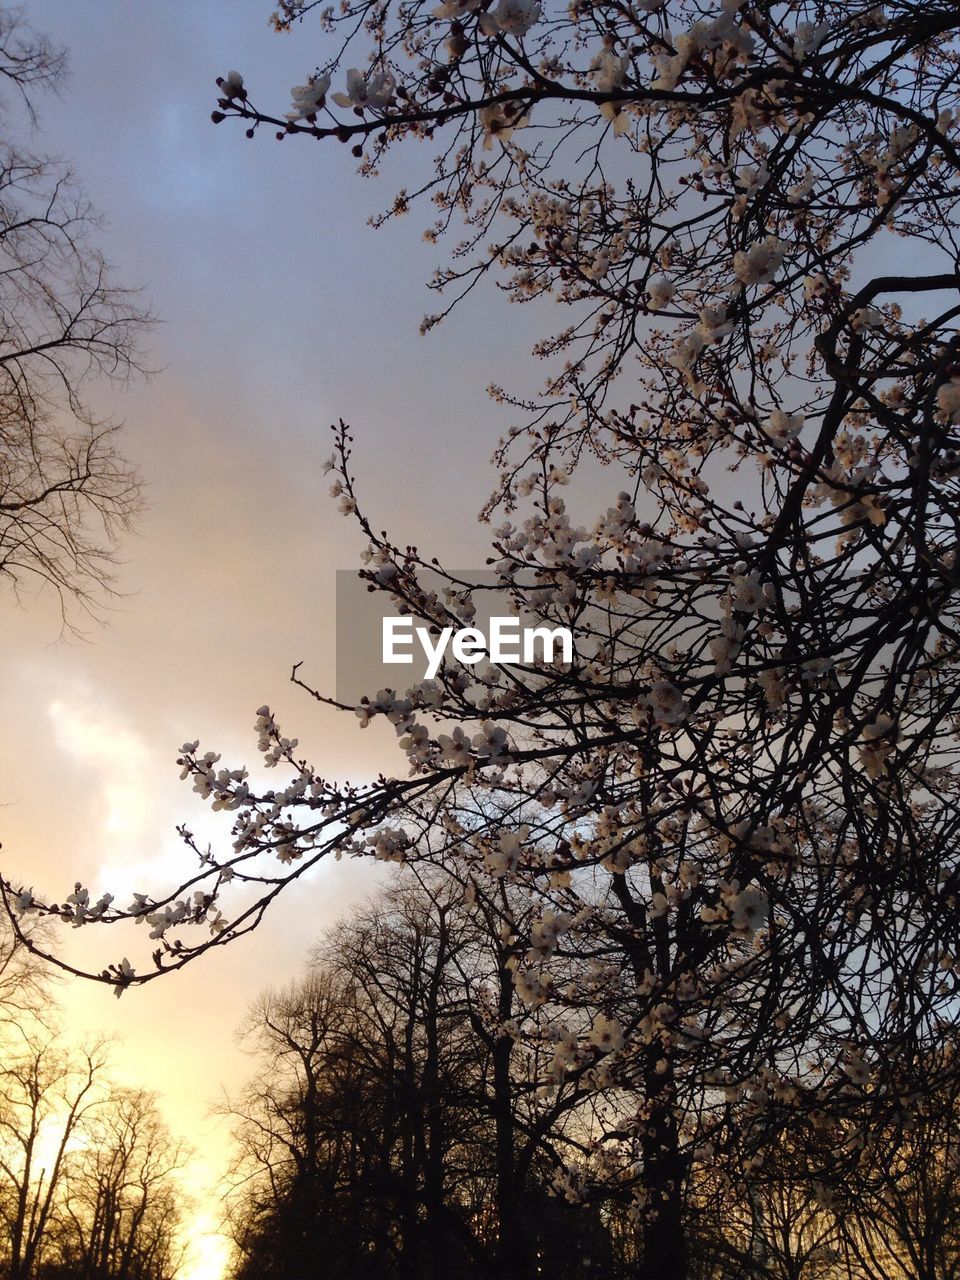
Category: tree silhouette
[121,1208]
[46,1099]
[87,1186]
[66,494]
[374,1131]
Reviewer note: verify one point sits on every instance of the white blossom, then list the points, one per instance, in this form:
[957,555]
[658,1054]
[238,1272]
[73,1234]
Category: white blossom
[455,747]
[499,121]
[373,91]
[748,593]
[231,85]
[512,17]
[23,902]
[801,190]
[504,858]
[660,291]
[783,427]
[878,738]
[807,38]
[608,70]
[666,702]
[306,100]
[948,401]
[606,1034]
[865,318]
[747,907]
[751,178]
[761,262]
[453,10]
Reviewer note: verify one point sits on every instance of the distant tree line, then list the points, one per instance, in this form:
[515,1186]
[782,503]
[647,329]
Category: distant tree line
[88,1187]
[391,1127]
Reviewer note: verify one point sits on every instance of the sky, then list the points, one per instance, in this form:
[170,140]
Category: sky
[280,311]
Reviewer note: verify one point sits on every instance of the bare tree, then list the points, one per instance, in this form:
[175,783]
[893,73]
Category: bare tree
[902,1213]
[47,1098]
[66,493]
[25,990]
[121,1208]
[393,1123]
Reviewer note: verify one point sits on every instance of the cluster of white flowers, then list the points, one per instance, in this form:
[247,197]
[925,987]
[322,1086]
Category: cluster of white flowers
[866,318]
[948,401]
[82,911]
[660,292]
[606,1034]
[725,647]
[269,739]
[855,1068]
[705,37]
[389,844]
[745,910]
[713,325]
[888,169]
[748,907]
[878,740]
[546,932]
[807,39]
[510,18]
[171,914]
[456,748]
[571,797]
[307,99]
[499,120]
[609,70]
[532,988]
[903,138]
[800,191]
[455,10]
[550,538]
[747,594]
[567,1054]
[371,92]
[761,262]
[751,178]
[227,786]
[663,902]
[386,703]
[782,428]
[569,1184]
[771,682]
[503,858]
[666,702]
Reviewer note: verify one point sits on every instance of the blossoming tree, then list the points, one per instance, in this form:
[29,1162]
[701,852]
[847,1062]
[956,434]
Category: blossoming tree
[739,798]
